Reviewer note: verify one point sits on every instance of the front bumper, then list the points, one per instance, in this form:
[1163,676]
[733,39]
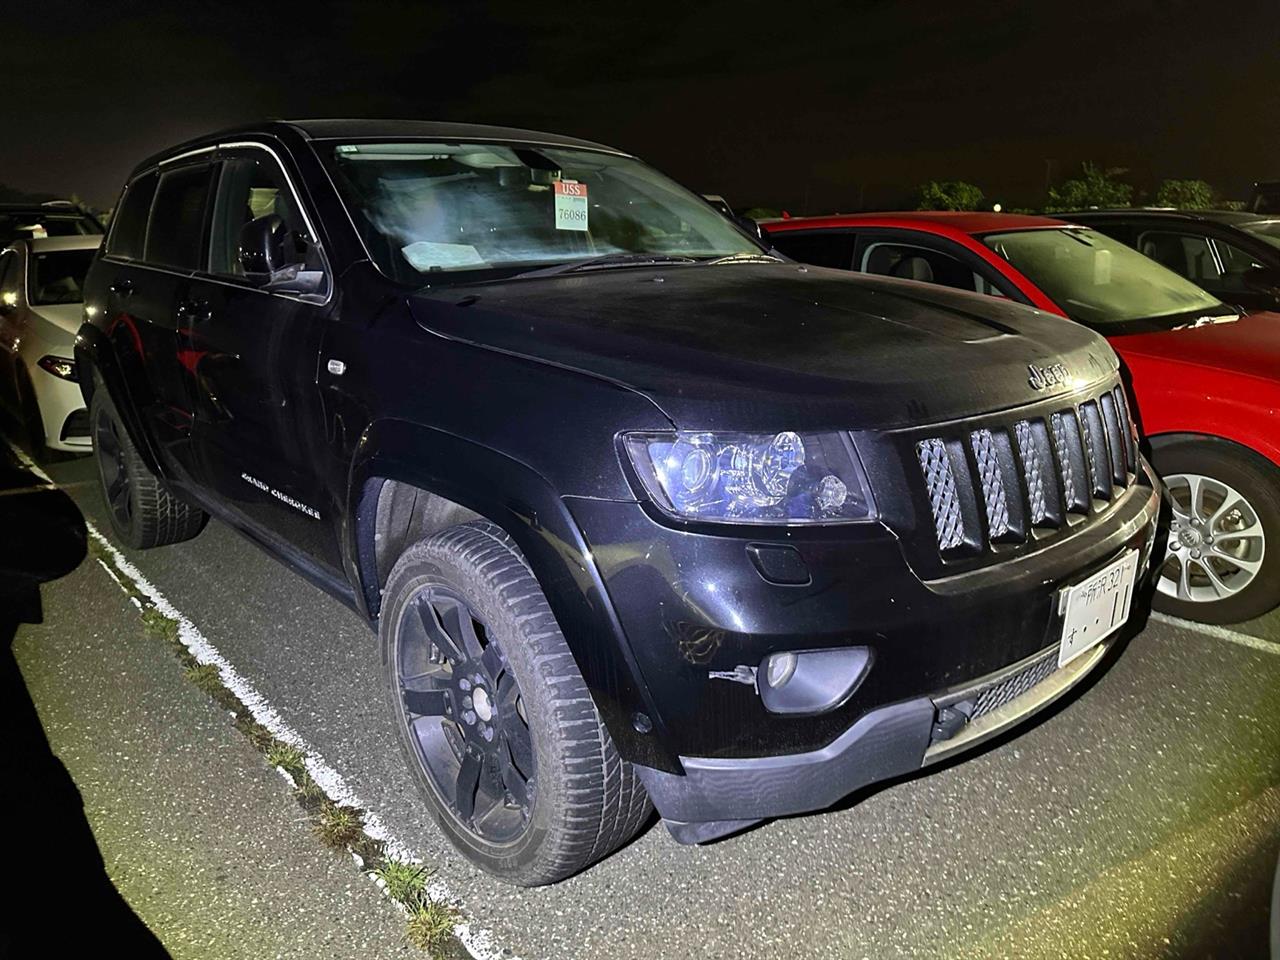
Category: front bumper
[62,412]
[717,797]
[694,610]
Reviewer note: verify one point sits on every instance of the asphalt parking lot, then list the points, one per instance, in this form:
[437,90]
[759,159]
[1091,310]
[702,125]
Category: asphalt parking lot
[1141,819]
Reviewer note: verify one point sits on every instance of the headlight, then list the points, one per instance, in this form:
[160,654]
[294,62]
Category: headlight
[61,367]
[784,478]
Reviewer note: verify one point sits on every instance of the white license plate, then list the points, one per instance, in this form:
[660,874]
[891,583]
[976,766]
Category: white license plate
[1093,609]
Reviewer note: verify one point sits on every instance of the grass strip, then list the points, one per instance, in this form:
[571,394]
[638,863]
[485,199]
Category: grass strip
[429,922]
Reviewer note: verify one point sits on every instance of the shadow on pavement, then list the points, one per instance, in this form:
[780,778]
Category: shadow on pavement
[60,895]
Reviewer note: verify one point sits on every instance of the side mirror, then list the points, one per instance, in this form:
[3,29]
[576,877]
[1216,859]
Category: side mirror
[262,249]
[753,228]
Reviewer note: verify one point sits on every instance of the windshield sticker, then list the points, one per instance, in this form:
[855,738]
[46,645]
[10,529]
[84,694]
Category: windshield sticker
[571,205]
[426,254]
[1101,268]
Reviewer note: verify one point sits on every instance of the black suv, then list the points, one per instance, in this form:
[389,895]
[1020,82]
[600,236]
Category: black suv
[1233,255]
[641,512]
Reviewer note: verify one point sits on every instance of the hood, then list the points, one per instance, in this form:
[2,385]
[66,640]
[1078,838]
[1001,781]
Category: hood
[775,346]
[65,317]
[1250,345]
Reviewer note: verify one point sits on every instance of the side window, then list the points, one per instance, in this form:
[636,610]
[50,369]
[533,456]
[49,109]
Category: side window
[989,287]
[829,248]
[251,187]
[923,264]
[1184,253]
[175,232]
[129,225]
[1235,264]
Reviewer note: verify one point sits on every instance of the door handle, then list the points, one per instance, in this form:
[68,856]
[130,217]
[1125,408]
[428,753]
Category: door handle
[194,311]
[121,288]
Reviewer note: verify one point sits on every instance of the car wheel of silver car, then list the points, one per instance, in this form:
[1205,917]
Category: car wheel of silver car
[496,724]
[1225,511]
[142,512]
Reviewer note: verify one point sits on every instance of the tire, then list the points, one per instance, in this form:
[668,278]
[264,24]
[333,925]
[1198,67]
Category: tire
[579,800]
[1230,546]
[143,513]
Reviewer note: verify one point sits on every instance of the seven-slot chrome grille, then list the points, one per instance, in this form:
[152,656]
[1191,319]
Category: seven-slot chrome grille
[1006,482]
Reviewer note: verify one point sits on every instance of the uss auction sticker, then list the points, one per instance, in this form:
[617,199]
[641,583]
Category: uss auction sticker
[571,205]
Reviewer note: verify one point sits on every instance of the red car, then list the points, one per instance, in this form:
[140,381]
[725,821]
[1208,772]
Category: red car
[1205,380]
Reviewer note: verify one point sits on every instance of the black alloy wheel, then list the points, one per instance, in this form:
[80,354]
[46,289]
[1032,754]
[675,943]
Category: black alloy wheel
[144,513]
[462,705]
[112,468]
[498,729]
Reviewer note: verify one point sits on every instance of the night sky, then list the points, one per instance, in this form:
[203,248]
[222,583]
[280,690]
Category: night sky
[810,106]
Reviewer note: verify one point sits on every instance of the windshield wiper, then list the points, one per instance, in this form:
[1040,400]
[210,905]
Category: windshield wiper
[744,258]
[1207,321]
[604,262]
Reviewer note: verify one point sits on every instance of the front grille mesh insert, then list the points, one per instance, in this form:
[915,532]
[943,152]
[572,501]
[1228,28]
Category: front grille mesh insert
[1096,449]
[1035,471]
[993,495]
[1126,424]
[1067,444]
[943,497]
[998,694]
[996,483]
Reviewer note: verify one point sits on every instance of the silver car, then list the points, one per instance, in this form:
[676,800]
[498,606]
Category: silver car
[40,310]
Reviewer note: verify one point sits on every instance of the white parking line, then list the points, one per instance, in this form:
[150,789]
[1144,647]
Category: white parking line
[34,488]
[40,487]
[1220,633]
[32,466]
[479,943]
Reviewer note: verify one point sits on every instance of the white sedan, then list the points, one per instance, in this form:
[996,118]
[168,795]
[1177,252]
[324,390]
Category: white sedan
[40,312]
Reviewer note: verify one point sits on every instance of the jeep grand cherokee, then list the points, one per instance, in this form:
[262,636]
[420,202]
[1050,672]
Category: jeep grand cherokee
[641,512]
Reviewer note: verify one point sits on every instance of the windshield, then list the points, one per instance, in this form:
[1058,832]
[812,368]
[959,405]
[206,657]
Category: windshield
[1099,281]
[58,277]
[479,210]
[1268,230]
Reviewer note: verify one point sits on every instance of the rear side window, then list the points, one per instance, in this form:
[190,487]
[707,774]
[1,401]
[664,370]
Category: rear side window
[175,232]
[58,276]
[920,263]
[827,249]
[129,225]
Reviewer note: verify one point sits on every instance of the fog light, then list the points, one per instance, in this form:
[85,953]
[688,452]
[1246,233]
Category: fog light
[779,669]
[811,681]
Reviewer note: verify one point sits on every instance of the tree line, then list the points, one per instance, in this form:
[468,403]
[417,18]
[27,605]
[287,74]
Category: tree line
[1094,187]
